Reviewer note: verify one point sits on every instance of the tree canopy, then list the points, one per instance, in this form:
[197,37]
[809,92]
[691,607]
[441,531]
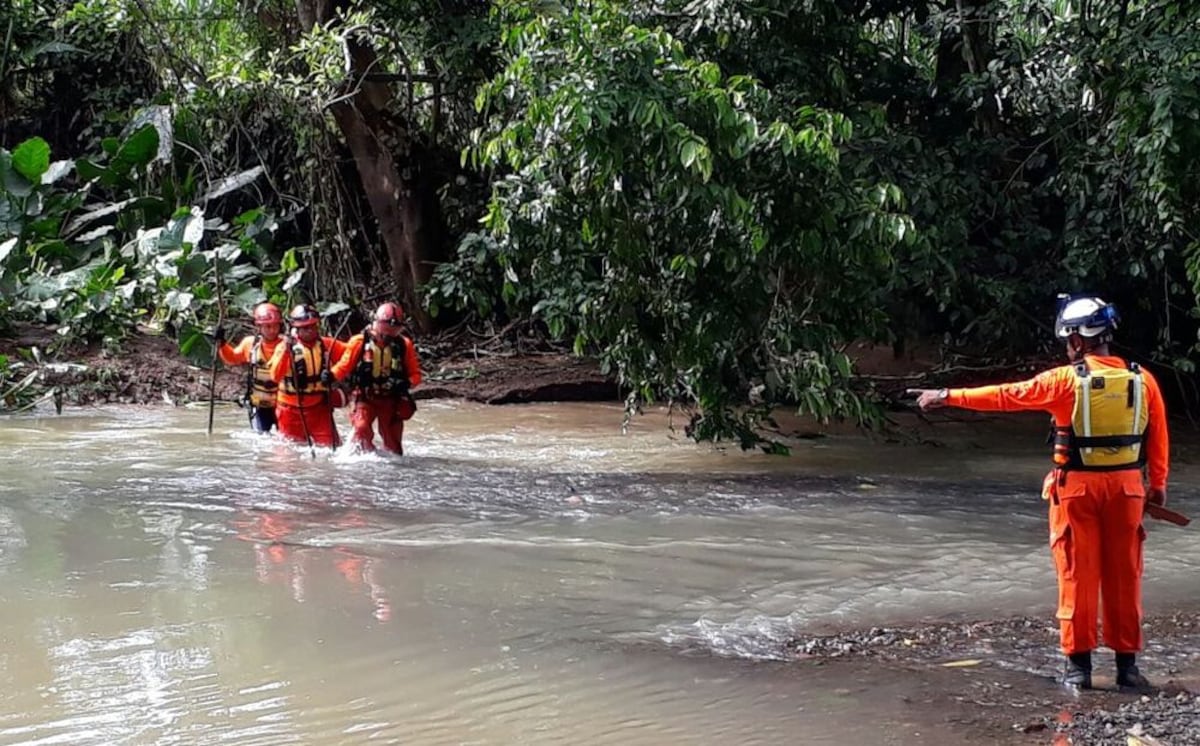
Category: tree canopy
[715,197]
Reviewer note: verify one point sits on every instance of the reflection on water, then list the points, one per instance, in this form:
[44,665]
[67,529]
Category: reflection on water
[527,574]
[279,559]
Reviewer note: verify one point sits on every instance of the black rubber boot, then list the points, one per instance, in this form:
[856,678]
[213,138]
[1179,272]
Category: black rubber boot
[1077,674]
[1129,678]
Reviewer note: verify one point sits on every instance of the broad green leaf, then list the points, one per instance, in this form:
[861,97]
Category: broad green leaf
[687,153]
[136,151]
[293,279]
[178,301]
[289,263]
[249,216]
[7,247]
[193,228]
[192,270]
[88,170]
[31,159]
[56,171]
[195,346]
[17,185]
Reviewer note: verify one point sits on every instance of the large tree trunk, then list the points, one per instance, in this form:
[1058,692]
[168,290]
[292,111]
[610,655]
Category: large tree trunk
[967,48]
[389,161]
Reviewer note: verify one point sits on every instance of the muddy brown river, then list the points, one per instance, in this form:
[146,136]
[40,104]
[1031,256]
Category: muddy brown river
[526,574]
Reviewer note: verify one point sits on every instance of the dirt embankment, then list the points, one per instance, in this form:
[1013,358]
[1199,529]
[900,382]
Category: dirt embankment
[148,369]
[500,368]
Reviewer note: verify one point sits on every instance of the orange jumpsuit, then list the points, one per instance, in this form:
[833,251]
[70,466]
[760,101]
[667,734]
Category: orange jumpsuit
[370,366]
[304,408]
[260,387]
[1096,533]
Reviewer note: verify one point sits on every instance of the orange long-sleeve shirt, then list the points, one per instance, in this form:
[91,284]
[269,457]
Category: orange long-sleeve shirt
[281,368]
[240,355]
[1053,391]
[353,355]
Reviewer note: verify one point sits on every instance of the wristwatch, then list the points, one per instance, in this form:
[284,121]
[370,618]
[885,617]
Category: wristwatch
[943,394]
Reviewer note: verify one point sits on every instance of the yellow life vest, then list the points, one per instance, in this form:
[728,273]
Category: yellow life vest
[1108,424]
[380,367]
[260,387]
[307,364]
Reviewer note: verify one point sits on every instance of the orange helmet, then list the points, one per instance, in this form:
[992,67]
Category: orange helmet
[267,313]
[304,315]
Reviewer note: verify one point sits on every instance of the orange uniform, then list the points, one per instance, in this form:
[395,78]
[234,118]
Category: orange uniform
[256,352]
[304,405]
[381,373]
[1096,533]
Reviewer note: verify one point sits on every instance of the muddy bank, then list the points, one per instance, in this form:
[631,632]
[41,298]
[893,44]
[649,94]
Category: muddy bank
[511,365]
[148,369]
[999,678]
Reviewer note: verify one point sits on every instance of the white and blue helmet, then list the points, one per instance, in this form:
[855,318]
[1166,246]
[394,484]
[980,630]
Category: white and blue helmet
[1087,316]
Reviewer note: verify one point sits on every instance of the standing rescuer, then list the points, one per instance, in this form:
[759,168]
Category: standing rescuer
[1109,422]
[382,365]
[301,366]
[256,351]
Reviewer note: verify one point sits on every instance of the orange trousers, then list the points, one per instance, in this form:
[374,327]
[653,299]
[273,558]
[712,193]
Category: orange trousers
[1096,538]
[390,411]
[317,421]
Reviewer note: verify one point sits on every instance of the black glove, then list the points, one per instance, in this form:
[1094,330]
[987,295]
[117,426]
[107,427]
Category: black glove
[326,378]
[399,385]
[219,334]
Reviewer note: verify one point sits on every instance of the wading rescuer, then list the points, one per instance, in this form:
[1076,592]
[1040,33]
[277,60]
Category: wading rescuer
[301,366]
[382,366]
[255,351]
[1109,422]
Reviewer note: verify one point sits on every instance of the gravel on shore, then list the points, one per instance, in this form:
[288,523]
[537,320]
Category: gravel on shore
[1025,650]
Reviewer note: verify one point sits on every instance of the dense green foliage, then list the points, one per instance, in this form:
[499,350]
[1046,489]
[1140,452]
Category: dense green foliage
[656,209]
[716,197]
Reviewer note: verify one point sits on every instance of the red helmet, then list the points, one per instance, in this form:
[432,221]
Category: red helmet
[387,320]
[389,314]
[304,315]
[267,313]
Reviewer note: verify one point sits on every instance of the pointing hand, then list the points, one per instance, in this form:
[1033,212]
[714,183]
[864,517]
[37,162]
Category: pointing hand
[929,398]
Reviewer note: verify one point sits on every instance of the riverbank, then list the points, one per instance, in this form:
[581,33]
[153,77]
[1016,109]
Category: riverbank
[509,366]
[999,678]
[147,368]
